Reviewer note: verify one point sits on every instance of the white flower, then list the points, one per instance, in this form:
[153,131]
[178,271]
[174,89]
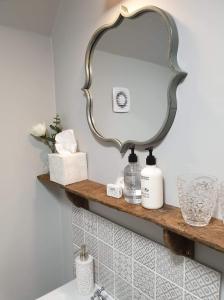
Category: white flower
[39,130]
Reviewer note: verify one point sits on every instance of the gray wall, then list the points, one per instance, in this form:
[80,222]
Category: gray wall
[195,141]
[30,252]
[147,83]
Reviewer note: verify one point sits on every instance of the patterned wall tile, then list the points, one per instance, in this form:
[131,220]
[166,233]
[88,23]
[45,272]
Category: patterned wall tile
[116,250]
[137,295]
[188,296]
[78,235]
[144,280]
[90,222]
[76,250]
[201,281]
[165,290]
[144,251]
[123,240]
[123,266]
[105,254]
[169,265]
[77,216]
[106,231]
[123,290]
[91,245]
[106,279]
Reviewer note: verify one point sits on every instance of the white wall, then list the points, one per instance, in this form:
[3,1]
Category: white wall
[30,251]
[195,141]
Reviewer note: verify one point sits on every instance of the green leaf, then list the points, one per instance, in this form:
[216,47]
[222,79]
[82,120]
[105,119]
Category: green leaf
[50,139]
[56,124]
[53,127]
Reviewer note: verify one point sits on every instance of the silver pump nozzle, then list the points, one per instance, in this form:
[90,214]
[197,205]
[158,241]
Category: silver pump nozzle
[83,253]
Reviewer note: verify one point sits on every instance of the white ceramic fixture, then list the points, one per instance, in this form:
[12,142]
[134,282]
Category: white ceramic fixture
[69,291]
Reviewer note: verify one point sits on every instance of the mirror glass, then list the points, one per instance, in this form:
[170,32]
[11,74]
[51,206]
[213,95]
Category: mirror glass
[130,78]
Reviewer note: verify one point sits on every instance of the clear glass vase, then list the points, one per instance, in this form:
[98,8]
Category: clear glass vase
[197,196]
[221,199]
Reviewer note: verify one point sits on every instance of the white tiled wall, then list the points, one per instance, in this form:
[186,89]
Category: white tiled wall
[131,267]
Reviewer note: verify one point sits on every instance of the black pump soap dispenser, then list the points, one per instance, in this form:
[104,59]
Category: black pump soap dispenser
[150,159]
[151,183]
[132,179]
[132,157]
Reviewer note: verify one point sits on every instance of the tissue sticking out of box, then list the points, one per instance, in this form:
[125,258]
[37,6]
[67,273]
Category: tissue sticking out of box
[65,142]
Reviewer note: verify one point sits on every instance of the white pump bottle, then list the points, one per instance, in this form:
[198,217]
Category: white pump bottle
[151,184]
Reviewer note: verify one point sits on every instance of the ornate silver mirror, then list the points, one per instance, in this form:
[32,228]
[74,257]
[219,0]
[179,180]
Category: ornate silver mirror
[131,78]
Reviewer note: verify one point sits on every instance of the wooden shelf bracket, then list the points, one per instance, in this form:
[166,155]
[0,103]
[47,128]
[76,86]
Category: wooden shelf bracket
[178,244]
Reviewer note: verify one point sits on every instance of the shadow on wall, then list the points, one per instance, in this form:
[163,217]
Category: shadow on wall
[110,3]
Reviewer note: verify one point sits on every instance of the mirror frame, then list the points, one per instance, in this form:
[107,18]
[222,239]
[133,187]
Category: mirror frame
[178,77]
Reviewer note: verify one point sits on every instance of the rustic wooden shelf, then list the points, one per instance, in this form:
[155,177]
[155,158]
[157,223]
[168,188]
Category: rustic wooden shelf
[178,236]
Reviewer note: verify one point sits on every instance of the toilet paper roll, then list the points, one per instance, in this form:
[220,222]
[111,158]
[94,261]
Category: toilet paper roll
[84,275]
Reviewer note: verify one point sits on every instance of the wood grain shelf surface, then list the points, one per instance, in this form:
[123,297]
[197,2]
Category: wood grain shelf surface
[168,217]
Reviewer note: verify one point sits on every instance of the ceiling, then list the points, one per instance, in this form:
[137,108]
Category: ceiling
[145,38]
[32,15]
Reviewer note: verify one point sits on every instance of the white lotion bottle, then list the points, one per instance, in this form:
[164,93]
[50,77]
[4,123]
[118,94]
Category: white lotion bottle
[151,184]
[84,272]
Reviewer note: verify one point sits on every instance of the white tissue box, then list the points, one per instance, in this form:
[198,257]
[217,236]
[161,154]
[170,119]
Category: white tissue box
[67,169]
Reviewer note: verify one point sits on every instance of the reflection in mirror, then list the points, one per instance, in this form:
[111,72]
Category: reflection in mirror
[132,74]
[134,56]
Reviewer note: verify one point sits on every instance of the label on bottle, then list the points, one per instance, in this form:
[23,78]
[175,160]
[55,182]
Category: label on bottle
[145,186]
[130,184]
[132,187]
